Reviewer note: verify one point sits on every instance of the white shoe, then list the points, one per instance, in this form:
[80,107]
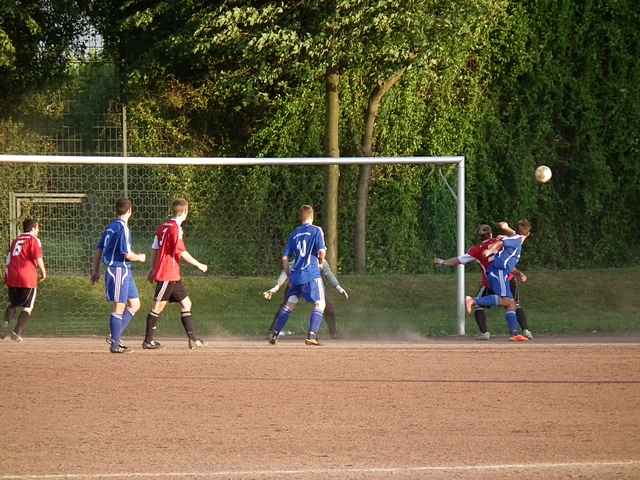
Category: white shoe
[15,337]
[483,336]
[528,334]
[195,343]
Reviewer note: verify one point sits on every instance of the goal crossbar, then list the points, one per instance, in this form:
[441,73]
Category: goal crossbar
[236,161]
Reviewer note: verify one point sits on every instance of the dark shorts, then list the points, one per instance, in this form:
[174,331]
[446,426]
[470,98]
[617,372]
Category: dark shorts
[173,292]
[22,297]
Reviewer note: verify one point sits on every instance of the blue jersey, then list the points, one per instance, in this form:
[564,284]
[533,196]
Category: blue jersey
[115,244]
[304,244]
[507,258]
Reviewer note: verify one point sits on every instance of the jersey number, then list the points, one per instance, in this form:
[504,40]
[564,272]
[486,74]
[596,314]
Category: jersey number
[17,249]
[302,248]
[162,235]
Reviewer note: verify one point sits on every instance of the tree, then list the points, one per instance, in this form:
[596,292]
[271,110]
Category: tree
[36,41]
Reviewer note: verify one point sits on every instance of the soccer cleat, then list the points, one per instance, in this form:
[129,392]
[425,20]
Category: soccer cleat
[528,334]
[312,339]
[118,349]
[483,336]
[108,340]
[519,338]
[15,337]
[469,302]
[151,345]
[273,338]
[195,343]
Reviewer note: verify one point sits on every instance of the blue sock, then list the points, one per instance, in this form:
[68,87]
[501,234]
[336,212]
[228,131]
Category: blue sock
[488,301]
[512,321]
[115,325]
[281,319]
[315,321]
[127,316]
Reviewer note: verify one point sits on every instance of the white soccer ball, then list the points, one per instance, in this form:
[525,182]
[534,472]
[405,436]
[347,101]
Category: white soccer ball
[543,174]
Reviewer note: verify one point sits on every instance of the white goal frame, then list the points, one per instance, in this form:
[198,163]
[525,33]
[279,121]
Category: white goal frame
[322,161]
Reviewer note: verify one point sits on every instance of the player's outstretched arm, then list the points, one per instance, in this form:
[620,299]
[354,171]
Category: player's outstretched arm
[332,280]
[493,249]
[448,262]
[95,274]
[192,261]
[136,257]
[504,226]
[282,279]
[43,270]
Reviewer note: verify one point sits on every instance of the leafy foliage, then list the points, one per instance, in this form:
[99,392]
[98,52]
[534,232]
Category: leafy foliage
[510,85]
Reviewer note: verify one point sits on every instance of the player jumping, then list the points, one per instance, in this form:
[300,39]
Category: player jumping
[114,250]
[476,253]
[21,277]
[329,310]
[506,255]
[168,249]
[306,245]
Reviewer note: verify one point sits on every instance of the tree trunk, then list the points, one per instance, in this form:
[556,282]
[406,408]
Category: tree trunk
[366,150]
[332,171]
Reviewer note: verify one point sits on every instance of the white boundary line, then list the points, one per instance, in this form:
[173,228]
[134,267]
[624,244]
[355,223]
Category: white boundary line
[328,471]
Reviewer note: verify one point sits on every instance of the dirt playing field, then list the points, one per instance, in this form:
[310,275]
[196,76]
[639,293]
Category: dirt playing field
[440,409]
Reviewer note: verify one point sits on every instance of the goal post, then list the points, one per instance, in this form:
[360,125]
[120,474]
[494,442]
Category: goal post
[123,163]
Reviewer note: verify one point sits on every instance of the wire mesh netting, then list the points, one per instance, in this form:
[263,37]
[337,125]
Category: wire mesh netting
[238,222]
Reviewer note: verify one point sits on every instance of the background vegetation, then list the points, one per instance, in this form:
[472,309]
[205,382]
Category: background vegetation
[509,84]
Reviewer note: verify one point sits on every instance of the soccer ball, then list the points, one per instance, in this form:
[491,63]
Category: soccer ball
[543,174]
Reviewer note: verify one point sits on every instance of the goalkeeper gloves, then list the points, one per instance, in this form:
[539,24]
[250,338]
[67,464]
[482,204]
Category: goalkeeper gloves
[342,291]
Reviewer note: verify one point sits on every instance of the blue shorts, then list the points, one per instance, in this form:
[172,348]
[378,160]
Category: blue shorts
[119,284]
[499,283]
[312,291]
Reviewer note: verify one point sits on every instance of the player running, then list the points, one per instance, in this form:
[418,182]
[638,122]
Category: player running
[114,250]
[504,255]
[476,254]
[21,277]
[168,249]
[306,245]
[329,310]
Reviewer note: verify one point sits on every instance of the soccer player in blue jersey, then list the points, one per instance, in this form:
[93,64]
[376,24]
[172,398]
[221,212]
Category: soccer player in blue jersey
[114,250]
[306,246]
[505,256]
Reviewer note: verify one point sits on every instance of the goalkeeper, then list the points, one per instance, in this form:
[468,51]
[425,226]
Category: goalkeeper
[329,311]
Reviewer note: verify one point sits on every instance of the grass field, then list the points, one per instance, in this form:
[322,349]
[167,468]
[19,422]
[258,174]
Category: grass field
[568,302]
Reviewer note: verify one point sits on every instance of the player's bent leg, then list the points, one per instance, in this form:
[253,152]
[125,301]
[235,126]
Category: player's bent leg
[283,317]
[512,322]
[315,321]
[275,317]
[9,316]
[315,293]
[133,305]
[521,316]
[115,327]
[23,319]
[480,316]
[330,318]
[187,323]
[152,324]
